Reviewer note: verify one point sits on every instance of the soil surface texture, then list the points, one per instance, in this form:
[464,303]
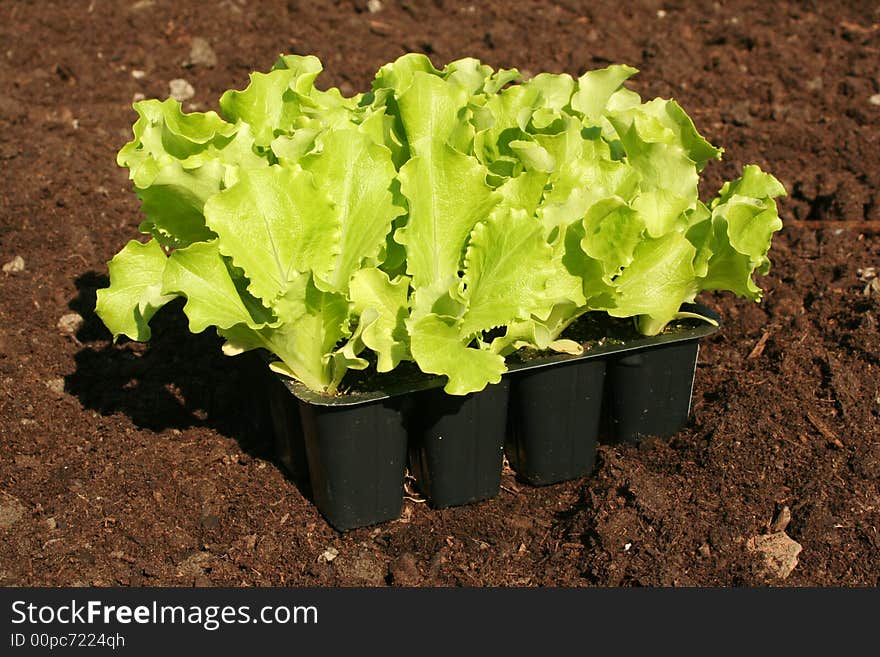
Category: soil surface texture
[134,464]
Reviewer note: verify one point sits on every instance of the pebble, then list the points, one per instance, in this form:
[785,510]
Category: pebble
[56,386]
[815,84]
[328,555]
[181,90]
[875,99]
[404,570]
[137,74]
[14,265]
[374,6]
[779,550]
[70,323]
[201,54]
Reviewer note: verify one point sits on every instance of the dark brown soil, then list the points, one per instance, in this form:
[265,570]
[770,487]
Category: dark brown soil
[131,464]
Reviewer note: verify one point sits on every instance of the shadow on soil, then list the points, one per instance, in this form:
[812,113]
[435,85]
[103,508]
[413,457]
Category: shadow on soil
[175,381]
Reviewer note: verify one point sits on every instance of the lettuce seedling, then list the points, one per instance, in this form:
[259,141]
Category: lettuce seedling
[448,216]
[267,220]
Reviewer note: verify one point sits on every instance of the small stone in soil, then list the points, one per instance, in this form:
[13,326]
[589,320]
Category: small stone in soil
[328,555]
[780,553]
[201,54]
[14,265]
[181,90]
[875,99]
[137,74]
[56,386]
[374,6]
[70,323]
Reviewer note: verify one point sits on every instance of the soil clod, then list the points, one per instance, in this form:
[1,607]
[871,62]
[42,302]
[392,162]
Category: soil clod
[11,510]
[404,570]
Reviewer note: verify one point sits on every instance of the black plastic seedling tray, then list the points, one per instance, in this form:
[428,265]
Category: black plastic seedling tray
[547,415]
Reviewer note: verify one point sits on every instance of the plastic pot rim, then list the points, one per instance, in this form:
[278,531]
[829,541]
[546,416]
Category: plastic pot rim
[701,330]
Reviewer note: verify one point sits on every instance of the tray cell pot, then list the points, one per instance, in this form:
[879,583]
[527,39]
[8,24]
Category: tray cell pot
[347,452]
[456,446]
[648,393]
[357,459]
[554,421]
[286,428]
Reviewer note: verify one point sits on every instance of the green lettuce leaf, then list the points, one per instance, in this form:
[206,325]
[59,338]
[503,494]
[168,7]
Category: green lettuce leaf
[164,134]
[595,88]
[357,176]
[135,292]
[438,348]
[733,242]
[383,307]
[272,101]
[612,231]
[275,223]
[306,341]
[507,267]
[447,195]
[660,278]
[177,161]
[214,297]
